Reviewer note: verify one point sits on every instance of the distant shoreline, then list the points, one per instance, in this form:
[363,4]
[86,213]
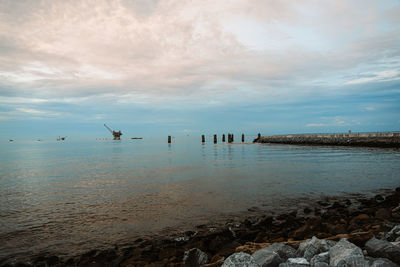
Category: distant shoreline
[387,139]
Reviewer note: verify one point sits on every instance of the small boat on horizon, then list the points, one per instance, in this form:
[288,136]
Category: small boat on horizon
[136,137]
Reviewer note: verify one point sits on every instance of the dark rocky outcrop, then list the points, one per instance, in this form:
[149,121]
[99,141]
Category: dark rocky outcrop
[383,249]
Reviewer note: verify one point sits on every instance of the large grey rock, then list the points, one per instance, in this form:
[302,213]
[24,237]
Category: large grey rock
[312,247]
[273,255]
[393,234]
[267,258]
[194,258]
[301,261]
[240,259]
[320,258]
[284,251]
[295,262]
[287,264]
[383,249]
[347,254]
[381,262]
[396,243]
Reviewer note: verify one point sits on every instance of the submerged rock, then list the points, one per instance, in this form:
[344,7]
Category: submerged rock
[383,249]
[345,253]
[240,259]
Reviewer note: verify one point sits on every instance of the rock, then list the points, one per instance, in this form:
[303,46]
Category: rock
[393,234]
[359,238]
[302,261]
[396,243]
[381,262]
[283,251]
[268,259]
[312,247]
[383,249]
[287,264]
[345,253]
[295,262]
[382,214]
[321,264]
[302,232]
[362,218]
[336,229]
[194,258]
[307,210]
[320,258]
[251,247]
[240,259]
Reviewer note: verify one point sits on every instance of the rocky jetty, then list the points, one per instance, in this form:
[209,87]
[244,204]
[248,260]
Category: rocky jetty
[356,231]
[391,139]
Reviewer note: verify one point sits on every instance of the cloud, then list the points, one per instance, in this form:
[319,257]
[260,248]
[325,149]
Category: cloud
[336,121]
[36,112]
[190,55]
[382,76]
[316,125]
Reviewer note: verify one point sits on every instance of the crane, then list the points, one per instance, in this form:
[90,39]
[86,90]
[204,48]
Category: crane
[117,135]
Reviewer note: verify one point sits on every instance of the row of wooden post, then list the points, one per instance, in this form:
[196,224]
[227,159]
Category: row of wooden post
[230,138]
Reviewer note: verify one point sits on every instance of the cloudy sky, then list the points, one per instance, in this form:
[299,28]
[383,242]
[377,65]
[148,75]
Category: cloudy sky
[159,67]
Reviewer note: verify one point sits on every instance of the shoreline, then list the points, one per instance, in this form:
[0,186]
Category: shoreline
[357,218]
[384,140]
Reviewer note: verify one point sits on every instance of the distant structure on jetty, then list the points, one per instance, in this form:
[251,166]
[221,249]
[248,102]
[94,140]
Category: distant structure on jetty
[60,138]
[387,139]
[117,135]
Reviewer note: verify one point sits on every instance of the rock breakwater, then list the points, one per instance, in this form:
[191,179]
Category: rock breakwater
[351,139]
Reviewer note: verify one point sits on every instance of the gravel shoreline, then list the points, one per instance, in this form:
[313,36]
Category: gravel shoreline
[357,219]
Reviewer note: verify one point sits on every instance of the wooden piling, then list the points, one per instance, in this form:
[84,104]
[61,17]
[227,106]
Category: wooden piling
[232,138]
[169,139]
[215,138]
[203,139]
[242,138]
[223,138]
[258,135]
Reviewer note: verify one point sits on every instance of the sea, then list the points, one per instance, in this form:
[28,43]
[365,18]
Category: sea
[68,197]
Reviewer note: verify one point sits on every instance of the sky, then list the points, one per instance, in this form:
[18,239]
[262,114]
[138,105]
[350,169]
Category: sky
[176,67]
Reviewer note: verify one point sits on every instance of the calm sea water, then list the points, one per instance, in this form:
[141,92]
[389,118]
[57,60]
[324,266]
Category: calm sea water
[73,196]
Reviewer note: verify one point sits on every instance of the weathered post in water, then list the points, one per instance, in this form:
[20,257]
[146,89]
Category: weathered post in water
[232,138]
[169,139]
[242,138]
[258,136]
[223,138]
[215,138]
[203,139]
